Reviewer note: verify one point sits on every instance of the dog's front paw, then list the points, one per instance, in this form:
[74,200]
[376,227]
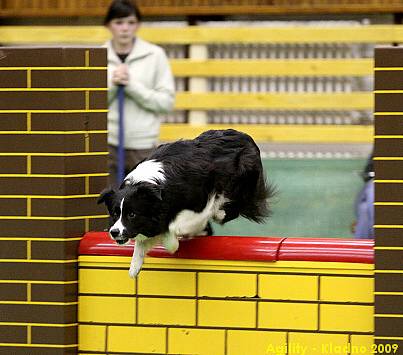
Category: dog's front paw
[134,271]
[135,267]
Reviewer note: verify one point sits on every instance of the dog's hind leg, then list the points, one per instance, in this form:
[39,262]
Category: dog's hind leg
[220,209]
[188,223]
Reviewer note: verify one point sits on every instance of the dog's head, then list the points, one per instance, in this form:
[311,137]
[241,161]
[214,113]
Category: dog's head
[134,209]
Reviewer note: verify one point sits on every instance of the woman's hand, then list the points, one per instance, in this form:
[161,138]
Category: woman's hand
[121,75]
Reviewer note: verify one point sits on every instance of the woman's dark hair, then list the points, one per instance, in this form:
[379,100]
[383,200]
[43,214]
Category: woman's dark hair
[122,8]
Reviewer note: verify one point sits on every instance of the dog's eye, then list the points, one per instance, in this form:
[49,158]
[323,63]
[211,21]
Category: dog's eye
[131,214]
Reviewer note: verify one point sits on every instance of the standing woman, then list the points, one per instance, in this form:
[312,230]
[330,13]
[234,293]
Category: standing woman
[142,70]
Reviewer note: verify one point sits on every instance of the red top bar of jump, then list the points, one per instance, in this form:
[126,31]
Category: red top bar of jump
[244,248]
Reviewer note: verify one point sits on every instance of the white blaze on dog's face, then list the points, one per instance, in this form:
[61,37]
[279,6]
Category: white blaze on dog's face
[138,212]
[118,231]
[135,206]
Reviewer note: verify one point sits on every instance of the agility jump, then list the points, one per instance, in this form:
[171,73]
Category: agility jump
[52,178]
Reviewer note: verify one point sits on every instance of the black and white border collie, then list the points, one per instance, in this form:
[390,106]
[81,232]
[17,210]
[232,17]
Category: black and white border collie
[182,186]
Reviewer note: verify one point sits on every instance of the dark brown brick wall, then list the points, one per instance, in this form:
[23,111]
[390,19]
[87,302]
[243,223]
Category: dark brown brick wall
[53,156]
[60,78]
[388,124]
[68,121]
[37,100]
[13,121]
[389,196]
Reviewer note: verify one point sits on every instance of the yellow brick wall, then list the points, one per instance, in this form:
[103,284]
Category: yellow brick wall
[203,307]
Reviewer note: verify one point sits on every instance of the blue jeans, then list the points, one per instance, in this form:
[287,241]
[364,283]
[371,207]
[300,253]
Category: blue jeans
[365,211]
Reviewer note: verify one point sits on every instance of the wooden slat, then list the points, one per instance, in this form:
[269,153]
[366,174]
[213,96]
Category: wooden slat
[275,9]
[53,34]
[205,35]
[278,133]
[272,67]
[275,101]
[61,8]
[291,34]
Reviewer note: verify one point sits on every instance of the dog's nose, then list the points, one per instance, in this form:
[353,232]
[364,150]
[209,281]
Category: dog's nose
[114,233]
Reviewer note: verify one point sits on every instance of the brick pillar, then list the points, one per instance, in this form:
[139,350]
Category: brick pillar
[53,155]
[389,199]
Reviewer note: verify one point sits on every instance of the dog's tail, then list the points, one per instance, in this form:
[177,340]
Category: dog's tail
[257,191]
[256,204]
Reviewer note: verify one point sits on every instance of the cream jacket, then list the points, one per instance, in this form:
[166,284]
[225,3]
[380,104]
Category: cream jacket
[150,92]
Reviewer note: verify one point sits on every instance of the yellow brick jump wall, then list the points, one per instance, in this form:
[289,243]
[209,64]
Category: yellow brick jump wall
[210,307]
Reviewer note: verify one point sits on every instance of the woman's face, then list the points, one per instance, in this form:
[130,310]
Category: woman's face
[123,29]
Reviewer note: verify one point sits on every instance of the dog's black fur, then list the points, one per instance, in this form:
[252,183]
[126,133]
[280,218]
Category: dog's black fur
[221,162]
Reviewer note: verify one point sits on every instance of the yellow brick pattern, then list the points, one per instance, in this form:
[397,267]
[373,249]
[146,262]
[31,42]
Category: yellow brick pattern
[136,339]
[278,315]
[288,287]
[106,309]
[317,344]
[241,342]
[224,312]
[166,311]
[186,341]
[346,289]
[346,318]
[92,337]
[160,283]
[362,344]
[227,313]
[226,284]
[106,282]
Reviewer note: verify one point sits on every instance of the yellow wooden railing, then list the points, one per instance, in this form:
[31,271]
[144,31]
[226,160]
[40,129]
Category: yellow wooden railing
[200,66]
[207,35]
[271,67]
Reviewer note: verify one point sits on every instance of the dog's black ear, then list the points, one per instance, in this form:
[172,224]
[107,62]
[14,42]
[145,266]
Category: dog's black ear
[150,190]
[157,192]
[123,184]
[106,195]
